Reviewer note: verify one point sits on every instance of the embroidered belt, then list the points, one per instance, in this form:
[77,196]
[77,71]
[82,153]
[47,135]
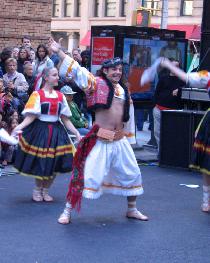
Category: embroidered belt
[110,136]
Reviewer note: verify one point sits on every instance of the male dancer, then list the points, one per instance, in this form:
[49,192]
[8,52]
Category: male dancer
[105,161]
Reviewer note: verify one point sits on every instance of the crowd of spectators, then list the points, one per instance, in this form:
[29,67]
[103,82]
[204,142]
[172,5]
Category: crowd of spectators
[21,70]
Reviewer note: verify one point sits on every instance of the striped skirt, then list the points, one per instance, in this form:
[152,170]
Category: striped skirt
[201,148]
[44,149]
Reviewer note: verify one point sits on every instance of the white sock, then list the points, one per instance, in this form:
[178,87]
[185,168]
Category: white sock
[133,208]
[67,209]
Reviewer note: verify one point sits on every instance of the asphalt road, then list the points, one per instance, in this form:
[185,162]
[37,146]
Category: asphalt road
[176,232]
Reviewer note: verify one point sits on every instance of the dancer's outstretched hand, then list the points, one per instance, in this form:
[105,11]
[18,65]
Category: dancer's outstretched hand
[165,62]
[16,132]
[78,137]
[55,47]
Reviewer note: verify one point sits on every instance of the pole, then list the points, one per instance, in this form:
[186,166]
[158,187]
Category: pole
[164,14]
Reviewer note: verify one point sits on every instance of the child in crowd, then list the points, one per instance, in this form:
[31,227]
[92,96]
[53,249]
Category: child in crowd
[8,151]
[6,103]
[15,115]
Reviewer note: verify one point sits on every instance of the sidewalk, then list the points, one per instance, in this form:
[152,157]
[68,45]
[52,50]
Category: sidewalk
[144,152]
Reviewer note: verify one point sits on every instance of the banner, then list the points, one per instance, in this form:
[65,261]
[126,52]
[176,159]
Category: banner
[102,49]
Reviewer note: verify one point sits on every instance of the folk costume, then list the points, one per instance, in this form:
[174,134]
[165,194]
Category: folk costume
[201,147]
[44,147]
[104,161]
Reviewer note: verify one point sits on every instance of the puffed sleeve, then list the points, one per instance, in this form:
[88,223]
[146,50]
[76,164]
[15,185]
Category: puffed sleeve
[33,105]
[83,78]
[65,110]
[129,127]
[199,79]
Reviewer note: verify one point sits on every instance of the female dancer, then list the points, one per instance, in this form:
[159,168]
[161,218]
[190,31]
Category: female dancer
[201,147]
[44,147]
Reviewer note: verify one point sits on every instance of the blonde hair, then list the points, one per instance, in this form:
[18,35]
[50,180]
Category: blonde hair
[10,60]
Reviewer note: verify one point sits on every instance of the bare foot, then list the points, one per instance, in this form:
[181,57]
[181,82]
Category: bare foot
[137,215]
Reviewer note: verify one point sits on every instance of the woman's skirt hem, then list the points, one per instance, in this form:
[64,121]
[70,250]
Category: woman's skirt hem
[199,169]
[41,177]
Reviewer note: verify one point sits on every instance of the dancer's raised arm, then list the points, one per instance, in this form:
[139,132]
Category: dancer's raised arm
[71,69]
[199,79]
[166,63]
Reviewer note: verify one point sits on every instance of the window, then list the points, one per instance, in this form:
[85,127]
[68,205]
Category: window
[154,4]
[78,8]
[186,8]
[124,6]
[55,9]
[96,8]
[68,8]
[110,8]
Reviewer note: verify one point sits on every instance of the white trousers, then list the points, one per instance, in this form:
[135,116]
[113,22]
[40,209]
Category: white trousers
[111,167]
[157,120]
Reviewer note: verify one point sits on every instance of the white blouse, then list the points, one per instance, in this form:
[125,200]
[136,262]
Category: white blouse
[33,106]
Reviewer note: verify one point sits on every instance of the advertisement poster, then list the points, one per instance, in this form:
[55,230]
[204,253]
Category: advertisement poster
[139,54]
[102,49]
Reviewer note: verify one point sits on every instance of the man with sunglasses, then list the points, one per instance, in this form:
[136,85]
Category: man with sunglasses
[104,161]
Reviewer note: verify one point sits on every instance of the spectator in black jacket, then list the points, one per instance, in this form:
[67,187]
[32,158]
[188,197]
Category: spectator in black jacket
[23,57]
[167,97]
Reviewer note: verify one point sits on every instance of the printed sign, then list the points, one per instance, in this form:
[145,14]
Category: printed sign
[102,49]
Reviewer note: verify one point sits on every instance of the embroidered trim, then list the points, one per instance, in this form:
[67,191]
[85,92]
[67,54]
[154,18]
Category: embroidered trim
[69,68]
[202,147]
[202,170]
[45,152]
[32,101]
[130,134]
[39,177]
[113,186]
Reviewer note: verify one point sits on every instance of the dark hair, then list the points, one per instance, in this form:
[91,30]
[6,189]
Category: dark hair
[173,59]
[6,53]
[10,120]
[28,55]
[45,49]
[25,37]
[85,53]
[110,63]
[100,73]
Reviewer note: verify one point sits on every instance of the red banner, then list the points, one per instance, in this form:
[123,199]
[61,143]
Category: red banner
[102,49]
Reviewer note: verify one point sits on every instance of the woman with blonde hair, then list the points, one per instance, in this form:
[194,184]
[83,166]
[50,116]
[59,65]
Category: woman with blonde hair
[44,146]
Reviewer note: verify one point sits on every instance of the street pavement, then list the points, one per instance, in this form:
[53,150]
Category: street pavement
[176,232]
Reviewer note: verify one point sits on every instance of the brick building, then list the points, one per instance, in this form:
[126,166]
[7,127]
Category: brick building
[24,17]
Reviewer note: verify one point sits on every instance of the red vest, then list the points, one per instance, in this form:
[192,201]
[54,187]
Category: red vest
[50,106]
[102,96]
[99,96]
